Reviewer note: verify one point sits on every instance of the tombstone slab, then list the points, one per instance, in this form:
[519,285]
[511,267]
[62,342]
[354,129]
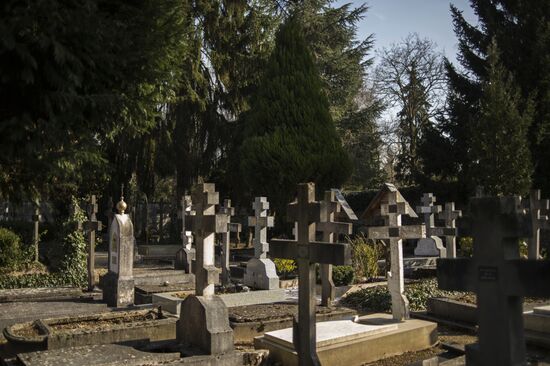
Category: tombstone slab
[430,247]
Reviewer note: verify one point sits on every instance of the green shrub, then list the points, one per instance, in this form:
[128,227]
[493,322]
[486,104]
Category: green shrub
[365,256]
[466,246]
[285,267]
[11,254]
[343,275]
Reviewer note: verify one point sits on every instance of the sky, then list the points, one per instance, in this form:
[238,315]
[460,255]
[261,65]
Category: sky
[392,20]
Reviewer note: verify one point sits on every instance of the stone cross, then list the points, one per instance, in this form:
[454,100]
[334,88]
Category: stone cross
[36,232]
[205,224]
[91,226]
[229,211]
[428,210]
[307,252]
[395,233]
[537,209]
[331,230]
[186,255]
[260,270]
[449,214]
[499,278]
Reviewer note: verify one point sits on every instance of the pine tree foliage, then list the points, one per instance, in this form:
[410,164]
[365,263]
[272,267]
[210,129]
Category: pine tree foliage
[290,136]
[499,155]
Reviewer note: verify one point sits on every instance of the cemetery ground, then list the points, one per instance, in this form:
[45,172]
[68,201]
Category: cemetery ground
[154,305]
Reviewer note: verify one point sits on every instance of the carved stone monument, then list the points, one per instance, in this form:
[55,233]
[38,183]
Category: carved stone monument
[449,214]
[330,206]
[118,288]
[499,278]
[431,245]
[204,319]
[186,255]
[260,270]
[306,212]
[225,242]
[91,226]
[538,209]
[394,232]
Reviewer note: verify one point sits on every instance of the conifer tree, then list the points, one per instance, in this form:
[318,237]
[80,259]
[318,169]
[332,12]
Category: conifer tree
[289,134]
[499,156]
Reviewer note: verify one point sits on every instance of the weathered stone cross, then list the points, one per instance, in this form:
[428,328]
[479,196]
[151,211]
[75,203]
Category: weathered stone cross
[395,233]
[449,214]
[428,210]
[537,209]
[186,255]
[229,211]
[306,212]
[91,226]
[331,230]
[499,278]
[205,224]
[36,233]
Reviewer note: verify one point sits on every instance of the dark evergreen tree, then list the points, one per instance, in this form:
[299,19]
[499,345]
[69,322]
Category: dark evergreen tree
[290,136]
[499,156]
[522,31]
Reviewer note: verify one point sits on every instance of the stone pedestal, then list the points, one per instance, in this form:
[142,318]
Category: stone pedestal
[204,325]
[261,273]
[184,259]
[430,247]
[118,292]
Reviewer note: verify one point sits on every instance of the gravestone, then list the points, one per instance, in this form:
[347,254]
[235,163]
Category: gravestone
[331,230]
[306,212]
[538,208]
[118,288]
[186,255]
[229,211]
[204,319]
[91,226]
[499,278]
[449,214]
[36,231]
[430,246]
[395,233]
[260,270]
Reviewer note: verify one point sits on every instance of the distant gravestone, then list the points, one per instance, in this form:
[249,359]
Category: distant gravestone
[330,206]
[499,278]
[395,233]
[36,231]
[229,211]
[306,212]
[538,209]
[118,289]
[449,231]
[430,246]
[204,319]
[186,255]
[91,226]
[260,270]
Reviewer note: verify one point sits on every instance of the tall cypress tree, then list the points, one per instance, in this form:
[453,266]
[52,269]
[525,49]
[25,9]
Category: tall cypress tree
[499,156]
[289,134]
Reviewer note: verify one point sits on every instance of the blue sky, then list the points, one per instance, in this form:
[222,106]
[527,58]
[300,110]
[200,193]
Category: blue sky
[392,20]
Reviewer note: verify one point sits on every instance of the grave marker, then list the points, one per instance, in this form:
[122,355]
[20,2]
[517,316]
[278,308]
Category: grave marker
[499,278]
[36,231]
[394,232]
[260,270]
[330,206]
[430,245]
[538,208]
[91,226]
[449,214]
[186,255]
[229,211]
[118,289]
[307,253]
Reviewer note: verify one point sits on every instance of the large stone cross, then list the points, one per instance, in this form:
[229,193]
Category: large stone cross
[229,211]
[394,232]
[450,215]
[186,255]
[307,252]
[205,224]
[428,210]
[499,278]
[538,208]
[331,230]
[91,226]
